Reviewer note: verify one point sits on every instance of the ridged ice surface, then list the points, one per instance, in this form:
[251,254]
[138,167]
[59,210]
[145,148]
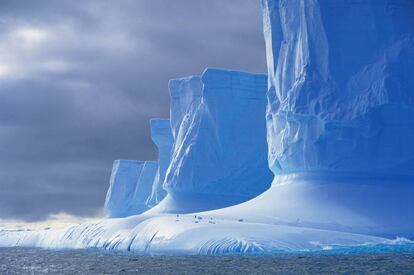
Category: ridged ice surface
[188,234]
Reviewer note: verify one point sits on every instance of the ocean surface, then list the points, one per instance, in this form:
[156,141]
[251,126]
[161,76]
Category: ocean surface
[41,261]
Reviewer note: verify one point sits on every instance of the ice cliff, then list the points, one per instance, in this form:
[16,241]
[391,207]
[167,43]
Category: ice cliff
[340,118]
[220,151]
[212,151]
[341,89]
[130,186]
[136,186]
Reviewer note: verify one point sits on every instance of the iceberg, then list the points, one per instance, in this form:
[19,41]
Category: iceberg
[318,155]
[130,186]
[340,118]
[122,185]
[340,89]
[136,186]
[220,150]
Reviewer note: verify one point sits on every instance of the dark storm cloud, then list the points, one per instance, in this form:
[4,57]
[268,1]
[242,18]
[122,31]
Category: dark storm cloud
[80,79]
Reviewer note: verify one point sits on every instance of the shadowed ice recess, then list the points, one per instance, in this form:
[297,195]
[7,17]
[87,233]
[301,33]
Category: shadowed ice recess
[333,121]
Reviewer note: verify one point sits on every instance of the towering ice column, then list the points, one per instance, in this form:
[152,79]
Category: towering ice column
[341,85]
[220,151]
[162,137]
[341,105]
[130,186]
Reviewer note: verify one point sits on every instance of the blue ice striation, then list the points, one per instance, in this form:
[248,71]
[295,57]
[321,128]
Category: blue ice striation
[316,156]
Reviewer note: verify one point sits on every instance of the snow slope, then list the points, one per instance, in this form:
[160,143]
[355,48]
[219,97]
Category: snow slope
[188,234]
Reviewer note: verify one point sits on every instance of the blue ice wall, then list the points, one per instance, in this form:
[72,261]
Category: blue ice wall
[340,117]
[341,85]
[136,186]
[144,186]
[220,151]
[162,137]
[130,186]
[185,96]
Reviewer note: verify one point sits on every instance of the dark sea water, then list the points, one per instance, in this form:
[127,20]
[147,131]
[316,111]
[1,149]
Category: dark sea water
[39,261]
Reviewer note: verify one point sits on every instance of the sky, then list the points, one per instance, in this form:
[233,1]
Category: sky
[79,81]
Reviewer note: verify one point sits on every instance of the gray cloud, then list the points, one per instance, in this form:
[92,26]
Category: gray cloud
[80,79]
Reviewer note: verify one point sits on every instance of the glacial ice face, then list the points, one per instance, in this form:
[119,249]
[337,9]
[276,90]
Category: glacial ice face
[341,87]
[162,137]
[130,186]
[136,186]
[145,185]
[340,117]
[185,96]
[219,156]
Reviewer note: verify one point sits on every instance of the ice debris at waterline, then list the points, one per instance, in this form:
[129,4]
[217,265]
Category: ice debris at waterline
[339,120]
